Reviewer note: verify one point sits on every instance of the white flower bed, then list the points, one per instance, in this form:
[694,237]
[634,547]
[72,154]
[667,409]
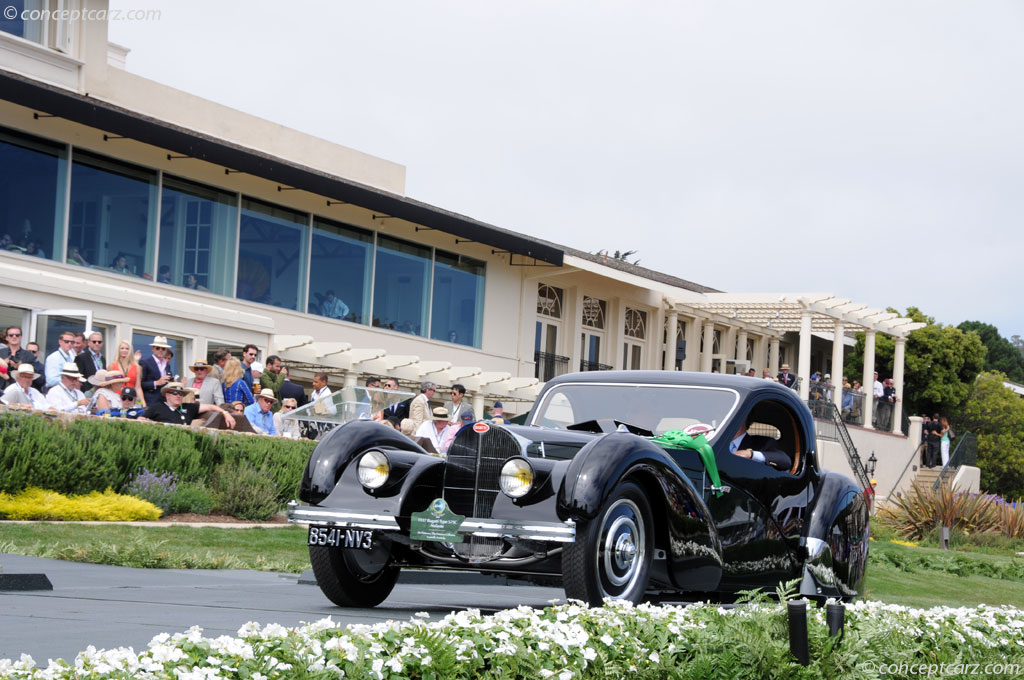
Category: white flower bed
[563,642]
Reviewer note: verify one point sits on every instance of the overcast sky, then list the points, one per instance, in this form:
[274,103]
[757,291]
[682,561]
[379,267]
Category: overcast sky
[874,150]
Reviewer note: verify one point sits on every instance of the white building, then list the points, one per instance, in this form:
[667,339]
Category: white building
[154,212]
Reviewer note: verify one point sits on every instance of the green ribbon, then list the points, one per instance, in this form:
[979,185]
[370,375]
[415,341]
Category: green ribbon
[678,439]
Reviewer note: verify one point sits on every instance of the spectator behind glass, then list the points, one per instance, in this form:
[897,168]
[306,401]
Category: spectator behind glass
[128,361]
[235,388]
[237,407]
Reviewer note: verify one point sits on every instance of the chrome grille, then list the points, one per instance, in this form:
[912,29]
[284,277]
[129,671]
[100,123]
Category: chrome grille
[471,475]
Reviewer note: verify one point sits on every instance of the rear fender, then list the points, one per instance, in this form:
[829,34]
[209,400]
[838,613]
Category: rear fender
[835,547]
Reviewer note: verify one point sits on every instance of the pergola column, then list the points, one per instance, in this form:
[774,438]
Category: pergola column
[837,364]
[478,406]
[803,364]
[348,388]
[897,379]
[773,355]
[671,330]
[741,346]
[867,382]
[709,346]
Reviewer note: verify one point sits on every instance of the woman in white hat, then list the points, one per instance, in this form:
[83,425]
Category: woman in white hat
[108,397]
[20,393]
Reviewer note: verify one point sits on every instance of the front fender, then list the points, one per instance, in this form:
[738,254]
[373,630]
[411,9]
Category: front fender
[683,523]
[338,447]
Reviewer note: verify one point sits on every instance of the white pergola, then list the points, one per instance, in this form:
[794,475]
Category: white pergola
[805,313]
[341,358]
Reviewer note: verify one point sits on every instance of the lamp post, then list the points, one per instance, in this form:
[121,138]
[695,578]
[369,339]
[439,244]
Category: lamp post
[872,464]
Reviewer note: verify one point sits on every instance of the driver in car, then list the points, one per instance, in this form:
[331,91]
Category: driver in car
[758,448]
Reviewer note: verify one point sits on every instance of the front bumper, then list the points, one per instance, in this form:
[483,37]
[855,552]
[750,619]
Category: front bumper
[558,532]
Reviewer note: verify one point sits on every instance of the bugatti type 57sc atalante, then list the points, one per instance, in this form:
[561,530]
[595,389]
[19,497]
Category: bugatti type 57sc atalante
[619,485]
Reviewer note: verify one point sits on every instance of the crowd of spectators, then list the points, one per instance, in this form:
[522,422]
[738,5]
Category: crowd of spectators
[246,394]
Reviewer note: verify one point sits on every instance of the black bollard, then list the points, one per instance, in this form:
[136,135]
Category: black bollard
[835,616]
[797,610]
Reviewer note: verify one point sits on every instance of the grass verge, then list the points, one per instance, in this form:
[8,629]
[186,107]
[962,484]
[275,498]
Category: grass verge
[898,574]
[278,549]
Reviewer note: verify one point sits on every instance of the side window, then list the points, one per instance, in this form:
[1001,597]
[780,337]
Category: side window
[775,419]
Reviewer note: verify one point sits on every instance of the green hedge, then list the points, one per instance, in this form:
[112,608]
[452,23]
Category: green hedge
[80,455]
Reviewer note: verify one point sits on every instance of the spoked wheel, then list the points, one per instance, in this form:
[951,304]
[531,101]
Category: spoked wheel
[354,578]
[611,556]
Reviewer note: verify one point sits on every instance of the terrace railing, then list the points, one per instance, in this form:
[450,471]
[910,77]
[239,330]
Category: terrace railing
[549,365]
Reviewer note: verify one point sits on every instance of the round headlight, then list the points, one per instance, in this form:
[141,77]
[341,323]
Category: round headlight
[516,478]
[374,469]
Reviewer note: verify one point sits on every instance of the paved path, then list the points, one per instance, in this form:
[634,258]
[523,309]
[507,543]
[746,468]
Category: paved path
[109,606]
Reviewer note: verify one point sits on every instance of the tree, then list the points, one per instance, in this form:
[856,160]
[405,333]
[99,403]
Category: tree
[1002,355]
[996,414]
[941,363]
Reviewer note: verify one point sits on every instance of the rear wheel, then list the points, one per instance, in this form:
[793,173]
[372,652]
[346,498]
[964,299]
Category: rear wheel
[611,556]
[354,578]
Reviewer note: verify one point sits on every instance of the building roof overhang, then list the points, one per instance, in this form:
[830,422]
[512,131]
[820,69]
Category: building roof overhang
[119,121]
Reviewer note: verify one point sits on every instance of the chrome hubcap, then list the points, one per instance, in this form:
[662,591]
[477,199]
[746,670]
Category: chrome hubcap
[621,550]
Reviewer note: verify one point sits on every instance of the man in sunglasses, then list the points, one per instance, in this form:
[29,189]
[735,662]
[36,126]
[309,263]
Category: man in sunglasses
[13,355]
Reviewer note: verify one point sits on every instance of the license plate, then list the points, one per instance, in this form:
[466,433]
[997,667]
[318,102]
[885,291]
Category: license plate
[359,539]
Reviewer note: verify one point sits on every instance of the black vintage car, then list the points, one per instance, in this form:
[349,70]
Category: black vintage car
[620,485]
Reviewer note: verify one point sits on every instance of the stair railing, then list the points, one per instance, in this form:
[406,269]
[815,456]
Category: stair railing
[965,453]
[829,425]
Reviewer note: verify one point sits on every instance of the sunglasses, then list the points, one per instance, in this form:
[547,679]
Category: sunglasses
[14,335]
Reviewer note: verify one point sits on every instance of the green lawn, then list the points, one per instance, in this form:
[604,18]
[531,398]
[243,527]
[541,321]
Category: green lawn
[277,549]
[917,576]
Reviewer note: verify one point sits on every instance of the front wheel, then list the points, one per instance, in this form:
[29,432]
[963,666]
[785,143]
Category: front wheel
[611,556]
[353,578]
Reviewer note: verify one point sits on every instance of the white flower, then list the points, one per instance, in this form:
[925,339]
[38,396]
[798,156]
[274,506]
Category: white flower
[589,653]
[653,656]
[607,639]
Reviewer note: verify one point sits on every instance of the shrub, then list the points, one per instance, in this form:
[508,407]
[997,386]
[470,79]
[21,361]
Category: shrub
[245,492]
[79,455]
[194,498]
[916,513]
[157,489]
[36,504]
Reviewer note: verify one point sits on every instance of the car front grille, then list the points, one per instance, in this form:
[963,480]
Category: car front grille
[471,475]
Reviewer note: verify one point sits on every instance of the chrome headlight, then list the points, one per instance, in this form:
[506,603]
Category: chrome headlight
[374,468]
[516,477]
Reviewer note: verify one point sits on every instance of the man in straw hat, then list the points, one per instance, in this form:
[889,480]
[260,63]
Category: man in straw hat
[67,394]
[156,370]
[259,412]
[787,378]
[205,385]
[438,431]
[20,393]
[171,410]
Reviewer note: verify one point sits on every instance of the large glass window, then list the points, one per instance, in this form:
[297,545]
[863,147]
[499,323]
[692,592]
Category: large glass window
[33,176]
[272,255]
[401,286]
[458,301]
[113,215]
[340,271]
[17,19]
[197,236]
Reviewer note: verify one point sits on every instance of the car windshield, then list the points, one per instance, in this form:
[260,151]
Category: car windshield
[657,408]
